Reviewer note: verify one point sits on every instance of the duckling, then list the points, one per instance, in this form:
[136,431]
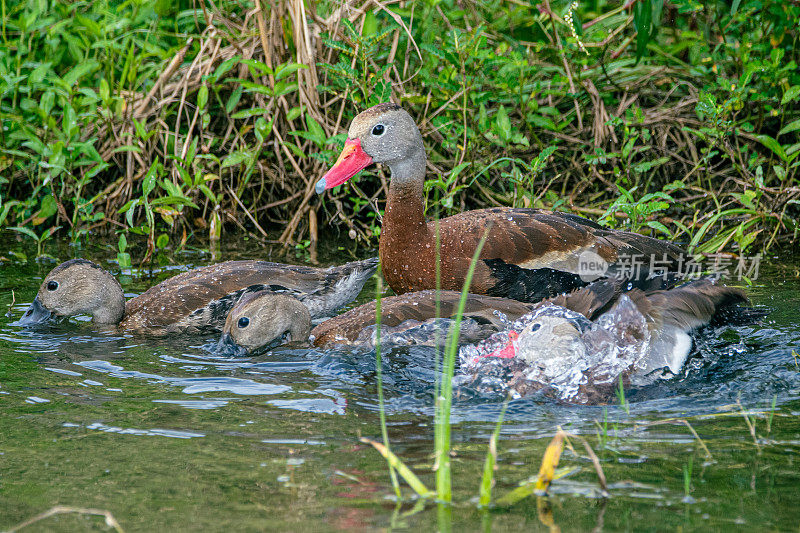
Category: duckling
[191,302]
[260,318]
[411,319]
[579,355]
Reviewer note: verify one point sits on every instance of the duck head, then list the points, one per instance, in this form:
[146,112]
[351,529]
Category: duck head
[545,338]
[385,133]
[260,318]
[77,287]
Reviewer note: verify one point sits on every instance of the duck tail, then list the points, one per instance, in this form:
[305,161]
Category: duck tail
[342,285]
[699,303]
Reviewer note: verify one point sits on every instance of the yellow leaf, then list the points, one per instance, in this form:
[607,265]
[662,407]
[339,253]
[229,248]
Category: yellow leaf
[550,461]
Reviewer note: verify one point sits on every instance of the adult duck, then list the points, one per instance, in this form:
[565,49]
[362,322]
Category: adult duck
[529,253]
[194,301]
[562,350]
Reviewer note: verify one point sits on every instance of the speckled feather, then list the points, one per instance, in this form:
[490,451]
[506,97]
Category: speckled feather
[200,299]
[419,306]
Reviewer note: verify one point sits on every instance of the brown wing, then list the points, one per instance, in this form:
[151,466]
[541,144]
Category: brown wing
[204,295]
[534,238]
[520,242]
[592,300]
[419,306]
[689,306]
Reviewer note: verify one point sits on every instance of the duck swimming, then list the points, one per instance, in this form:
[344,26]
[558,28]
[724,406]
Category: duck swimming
[259,319]
[637,336]
[406,319]
[575,346]
[191,302]
[529,254]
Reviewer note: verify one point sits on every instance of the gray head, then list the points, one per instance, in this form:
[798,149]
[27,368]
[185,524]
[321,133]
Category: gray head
[77,287]
[385,133]
[550,337]
[262,317]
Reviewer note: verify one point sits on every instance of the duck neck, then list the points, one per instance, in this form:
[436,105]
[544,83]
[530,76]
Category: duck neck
[404,220]
[300,321]
[112,308]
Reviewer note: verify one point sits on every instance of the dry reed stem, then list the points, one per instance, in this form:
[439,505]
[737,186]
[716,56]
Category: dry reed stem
[63,509]
[281,183]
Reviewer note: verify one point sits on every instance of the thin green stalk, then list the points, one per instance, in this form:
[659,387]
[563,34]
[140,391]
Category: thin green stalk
[438,312]
[379,372]
[487,480]
[445,399]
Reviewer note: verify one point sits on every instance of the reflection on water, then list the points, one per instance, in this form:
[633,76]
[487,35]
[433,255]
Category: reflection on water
[275,436]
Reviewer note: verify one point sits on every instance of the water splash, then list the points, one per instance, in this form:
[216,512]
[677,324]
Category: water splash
[561,353]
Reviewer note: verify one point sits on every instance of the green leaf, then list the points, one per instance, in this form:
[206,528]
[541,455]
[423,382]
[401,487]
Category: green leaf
[202,96]
[370,26]
[48,207]
[316,131]
[735,6]
[174,200]
[123,243]
[233,99]
[46,102]
[69,122]
[792,126]
[297,111]
[281,71]
[236,158]
[80,70]
[503,123]
[790,94]
[642,16]
[257,68]
[656,225]
[224,67]
[162,241]
[25,231]
[773,145]
[124,260]
[247,113]
[149,181]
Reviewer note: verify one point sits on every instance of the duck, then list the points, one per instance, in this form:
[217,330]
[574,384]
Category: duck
[579,355]
[264,318]
[260,319]
[196,301]
[529,254]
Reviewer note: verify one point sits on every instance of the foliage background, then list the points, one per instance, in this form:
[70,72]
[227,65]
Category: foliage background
[179,121]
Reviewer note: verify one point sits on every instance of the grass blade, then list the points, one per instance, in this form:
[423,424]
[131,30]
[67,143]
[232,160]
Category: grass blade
[487,480]
[444,400]
[379,372]
[398,465]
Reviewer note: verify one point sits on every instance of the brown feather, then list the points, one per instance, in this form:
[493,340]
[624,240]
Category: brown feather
[420,306]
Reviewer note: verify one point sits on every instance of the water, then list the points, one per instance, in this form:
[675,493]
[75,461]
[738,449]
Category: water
[168,437]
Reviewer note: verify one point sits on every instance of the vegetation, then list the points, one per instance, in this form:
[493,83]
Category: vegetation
[174,120]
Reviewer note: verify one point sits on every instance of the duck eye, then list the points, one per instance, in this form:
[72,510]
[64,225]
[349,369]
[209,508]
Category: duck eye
[52,285]
[243,322]
[378,130]
[535,327]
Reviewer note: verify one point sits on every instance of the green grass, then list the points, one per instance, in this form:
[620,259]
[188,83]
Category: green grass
[681,120]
